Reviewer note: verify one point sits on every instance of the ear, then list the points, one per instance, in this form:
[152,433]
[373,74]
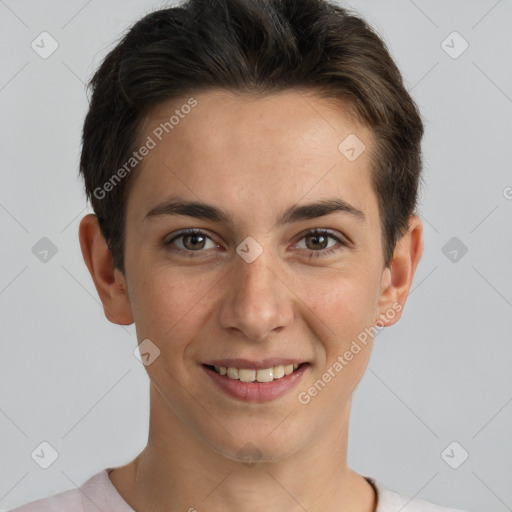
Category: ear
[397,278]
[109,281]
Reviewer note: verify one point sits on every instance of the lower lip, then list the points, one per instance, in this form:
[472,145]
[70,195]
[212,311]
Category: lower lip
[256,391]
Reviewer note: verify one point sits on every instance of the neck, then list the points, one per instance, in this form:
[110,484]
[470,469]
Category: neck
[179,471]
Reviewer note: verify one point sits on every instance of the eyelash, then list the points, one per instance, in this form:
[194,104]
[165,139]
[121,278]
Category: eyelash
[312,232]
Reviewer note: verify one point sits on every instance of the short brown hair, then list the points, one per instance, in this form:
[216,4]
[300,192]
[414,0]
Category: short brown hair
[260,47]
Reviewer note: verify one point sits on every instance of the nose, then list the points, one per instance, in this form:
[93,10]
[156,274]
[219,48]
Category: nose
[257,300]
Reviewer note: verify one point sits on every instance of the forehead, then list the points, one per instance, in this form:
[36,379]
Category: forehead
[262,150]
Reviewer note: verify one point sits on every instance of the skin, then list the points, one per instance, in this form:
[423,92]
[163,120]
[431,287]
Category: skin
[253,157]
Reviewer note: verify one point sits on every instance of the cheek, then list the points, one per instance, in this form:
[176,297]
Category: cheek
[344,312]
[170,305]
[345,302]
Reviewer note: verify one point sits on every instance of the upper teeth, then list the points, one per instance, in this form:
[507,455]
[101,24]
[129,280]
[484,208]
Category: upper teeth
[251,375]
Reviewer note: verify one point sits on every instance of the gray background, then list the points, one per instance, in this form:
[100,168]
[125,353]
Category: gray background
[69,377]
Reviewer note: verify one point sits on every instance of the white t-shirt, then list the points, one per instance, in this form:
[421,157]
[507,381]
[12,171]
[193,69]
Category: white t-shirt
[98,493]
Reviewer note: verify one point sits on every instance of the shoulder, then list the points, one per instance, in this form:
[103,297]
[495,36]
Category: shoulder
[96,493]
[68,500]
[390,501]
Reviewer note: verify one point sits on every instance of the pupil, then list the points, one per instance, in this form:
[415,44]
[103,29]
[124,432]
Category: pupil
[194,238]
[318,237]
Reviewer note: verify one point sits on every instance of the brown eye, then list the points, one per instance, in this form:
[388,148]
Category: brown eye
[316,241]
[191,241]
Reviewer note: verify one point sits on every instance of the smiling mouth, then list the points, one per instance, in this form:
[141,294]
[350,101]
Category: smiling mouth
[255,375]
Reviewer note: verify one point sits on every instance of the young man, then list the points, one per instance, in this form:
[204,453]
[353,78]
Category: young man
[253,167]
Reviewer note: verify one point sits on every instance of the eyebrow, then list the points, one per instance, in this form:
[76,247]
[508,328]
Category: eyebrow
[295,213]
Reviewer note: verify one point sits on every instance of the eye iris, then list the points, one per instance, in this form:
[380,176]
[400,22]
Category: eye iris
[194,237]
[317,237]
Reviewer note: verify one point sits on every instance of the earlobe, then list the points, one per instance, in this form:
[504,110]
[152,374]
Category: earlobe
[397,278]
[110,282]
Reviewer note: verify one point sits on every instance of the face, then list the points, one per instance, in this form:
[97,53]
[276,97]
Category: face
[254,282]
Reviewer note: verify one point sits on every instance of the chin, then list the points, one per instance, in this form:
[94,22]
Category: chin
[272,442]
